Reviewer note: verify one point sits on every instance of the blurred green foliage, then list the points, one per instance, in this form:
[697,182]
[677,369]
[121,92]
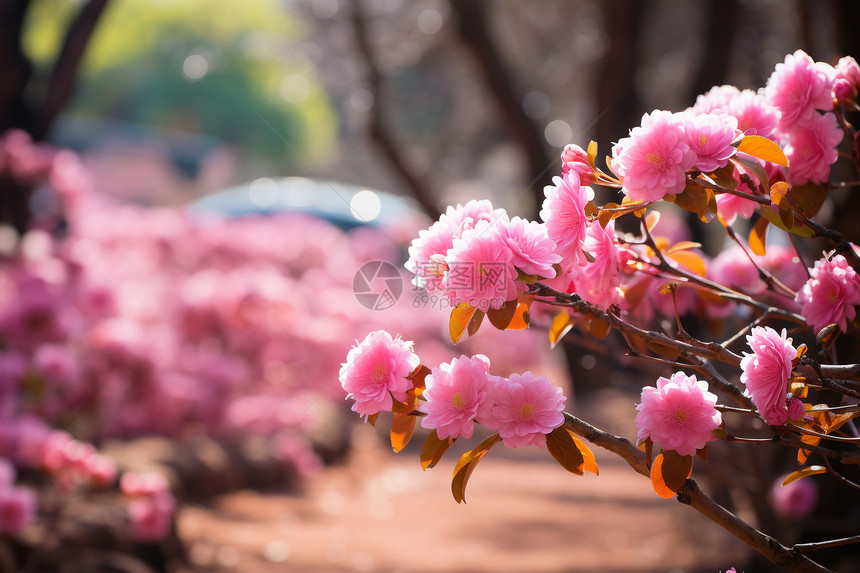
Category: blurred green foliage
[222,68]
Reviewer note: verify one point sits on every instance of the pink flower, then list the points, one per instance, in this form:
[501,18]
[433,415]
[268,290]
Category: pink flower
[847,79]
[480,269]
[7,473]
[830,294]
[798,87]
[796,409]
[653,161]
[754,114]
[440,237]
[375,371]
[710,137]
[575,158]
[730,206]
[678,414]
[151,517]
[563,211]
[733,268]
[524,409]
[795,500]
[597,281]
[811,149]
[17,509]
[455,393]
[532,249]
[766,372]
[715,99]
[143,484]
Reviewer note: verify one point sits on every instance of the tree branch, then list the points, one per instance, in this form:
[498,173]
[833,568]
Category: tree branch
[379,132]
[66,66]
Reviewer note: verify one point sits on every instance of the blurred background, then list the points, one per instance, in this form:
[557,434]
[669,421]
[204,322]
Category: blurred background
[180,292]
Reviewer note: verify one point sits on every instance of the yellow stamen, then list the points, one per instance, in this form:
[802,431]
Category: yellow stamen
[526,410]
[378,373]
[457,400]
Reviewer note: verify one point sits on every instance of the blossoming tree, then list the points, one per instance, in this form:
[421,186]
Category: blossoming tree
[779,300]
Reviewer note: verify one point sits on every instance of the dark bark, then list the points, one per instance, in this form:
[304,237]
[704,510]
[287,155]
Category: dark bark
[474,31]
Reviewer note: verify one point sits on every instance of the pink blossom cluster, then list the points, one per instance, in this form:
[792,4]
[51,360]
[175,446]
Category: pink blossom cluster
[152,506]
[474,252]
[654,159]
[17,504]
[766,373]
[830,294]
[678,414]
[796,500]
[523,408]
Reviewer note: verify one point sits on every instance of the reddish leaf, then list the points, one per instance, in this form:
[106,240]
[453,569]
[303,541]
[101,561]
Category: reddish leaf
[804,472]
[763,148]
[502,317]
[476,321]
[724,177]
[560,326]
[418,375]
[433,449]
[599,328]
[669,472]
[468,461]
[758,237]
[372,419]
[571,452]
[697,199]
[461,315]
[809,197]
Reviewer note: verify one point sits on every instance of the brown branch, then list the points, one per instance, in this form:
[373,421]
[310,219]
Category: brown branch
[15,68]
[474,30]
[379,132]
[66,66]
[690,494]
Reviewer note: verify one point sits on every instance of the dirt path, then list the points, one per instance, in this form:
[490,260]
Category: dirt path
[380,513]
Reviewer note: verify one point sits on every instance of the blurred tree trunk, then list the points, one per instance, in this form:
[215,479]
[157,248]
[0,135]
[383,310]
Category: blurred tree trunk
[721,28]
[19,107]
[474,30]
[617,103]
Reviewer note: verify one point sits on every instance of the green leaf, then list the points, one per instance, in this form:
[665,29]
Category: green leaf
[772,214]
[669,472]
[433,449]
[804,472]
[467,464]
[754,168]
[763,148]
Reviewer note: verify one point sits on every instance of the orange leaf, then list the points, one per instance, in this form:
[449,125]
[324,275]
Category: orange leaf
[402,428]
[804,472]
[592,152]
[372,419]
[521,318]
[690,260]
[461,315]
[682,246]
[418,375]
[433,449]
[468,461]
[669,472]
[571,452]
[560,326]
[758,237]
[779,192]
[763,148]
